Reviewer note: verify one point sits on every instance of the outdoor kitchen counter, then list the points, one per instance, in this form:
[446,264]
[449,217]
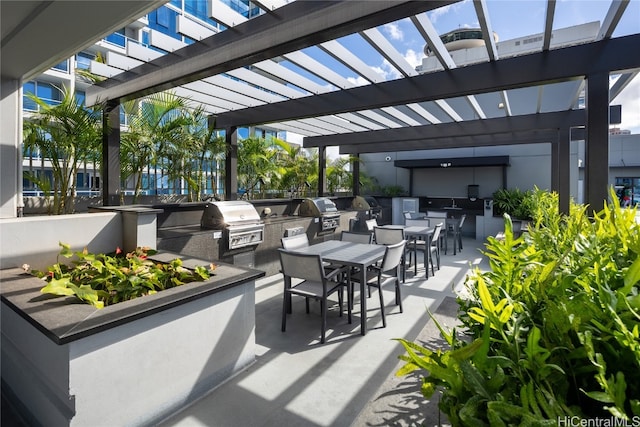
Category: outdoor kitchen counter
[64,320]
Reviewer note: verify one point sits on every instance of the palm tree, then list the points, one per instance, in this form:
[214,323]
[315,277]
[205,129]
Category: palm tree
[154,129]
[297,169]
[256,164]
[339,176]
[198,148]
[67,134]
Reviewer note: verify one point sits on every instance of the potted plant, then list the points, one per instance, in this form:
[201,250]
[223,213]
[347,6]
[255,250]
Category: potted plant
[513,201]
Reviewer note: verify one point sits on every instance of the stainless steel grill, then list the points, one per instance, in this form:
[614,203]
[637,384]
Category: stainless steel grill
[239,221]
[323,208]
[376,209]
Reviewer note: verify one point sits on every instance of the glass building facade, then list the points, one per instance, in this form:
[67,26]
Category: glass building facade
[49,88]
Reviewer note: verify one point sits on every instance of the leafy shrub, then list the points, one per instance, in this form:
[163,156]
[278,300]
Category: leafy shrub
[553,327]
[509,201]
[393,190]
[104,279]
[520,204]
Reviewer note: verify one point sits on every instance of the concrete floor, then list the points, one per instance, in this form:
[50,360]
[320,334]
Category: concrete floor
[349,380]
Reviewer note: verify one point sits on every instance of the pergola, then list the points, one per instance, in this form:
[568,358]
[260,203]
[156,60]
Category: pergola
[237,75]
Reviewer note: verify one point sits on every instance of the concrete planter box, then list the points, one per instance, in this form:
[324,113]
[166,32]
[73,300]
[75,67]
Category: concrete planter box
[133,363]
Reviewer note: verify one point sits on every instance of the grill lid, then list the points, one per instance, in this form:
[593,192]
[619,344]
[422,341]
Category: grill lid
[372,201]
[219,215]
[360,203]
[317,206]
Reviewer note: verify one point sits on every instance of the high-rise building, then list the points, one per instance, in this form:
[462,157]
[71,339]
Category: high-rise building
[171,26]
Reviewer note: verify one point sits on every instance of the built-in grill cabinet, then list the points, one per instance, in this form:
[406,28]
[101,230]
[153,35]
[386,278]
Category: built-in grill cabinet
[322,208]
[239,221]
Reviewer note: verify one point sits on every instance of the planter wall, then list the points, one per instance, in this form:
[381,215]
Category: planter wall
[34,240]
[133,363]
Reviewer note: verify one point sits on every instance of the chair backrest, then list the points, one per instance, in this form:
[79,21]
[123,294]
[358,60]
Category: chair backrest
[294,242]
[417,223]
[436,234]
[371,223]
[388,236]
[393,256]
[301,266]
[349,236]
[437,214]
[462,218]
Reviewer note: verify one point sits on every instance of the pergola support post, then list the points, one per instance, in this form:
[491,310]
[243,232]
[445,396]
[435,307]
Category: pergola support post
[564,169]
[355,167]
[597,141]
[231,164]
[111,154]
[322,171]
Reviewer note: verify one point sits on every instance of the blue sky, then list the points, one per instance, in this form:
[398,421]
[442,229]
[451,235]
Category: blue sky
[510,19]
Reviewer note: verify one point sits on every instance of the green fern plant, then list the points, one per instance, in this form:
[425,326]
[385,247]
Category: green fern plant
[553,327]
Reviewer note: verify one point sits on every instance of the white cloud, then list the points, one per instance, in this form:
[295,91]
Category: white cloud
[358,81]
[390,72]
[380,71]
[444,10]
[394,31]
[414,58]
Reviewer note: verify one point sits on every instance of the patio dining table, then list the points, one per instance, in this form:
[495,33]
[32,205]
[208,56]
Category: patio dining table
[414,233]
[357,255]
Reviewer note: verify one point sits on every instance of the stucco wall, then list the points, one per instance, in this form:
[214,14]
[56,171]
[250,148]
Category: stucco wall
[163,362]
[10,146]
[530,165]
[35,240]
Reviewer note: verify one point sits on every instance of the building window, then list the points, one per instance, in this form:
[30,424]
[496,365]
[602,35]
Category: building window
[124,118]
[244,7]
[162,17]
[197,8]
[63,66]
[45,91]
[80,97]
[118,38]
[27,103]
[83,60]
[145,38]
[164,20]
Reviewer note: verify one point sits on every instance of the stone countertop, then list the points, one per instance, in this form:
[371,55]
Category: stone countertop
[66,319]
